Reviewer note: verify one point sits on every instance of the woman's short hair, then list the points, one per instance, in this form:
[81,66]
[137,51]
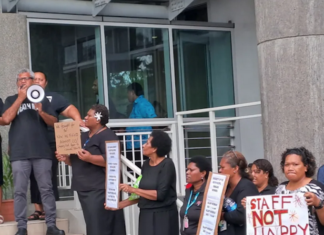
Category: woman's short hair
[265,166]
[236,159]
[162,142]
[137,88]
[99,108]
[306,157]
[202,163]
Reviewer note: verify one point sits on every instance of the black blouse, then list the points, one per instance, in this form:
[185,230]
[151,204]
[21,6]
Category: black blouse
[161,178]
[87,176]
[193,212]
[268,190]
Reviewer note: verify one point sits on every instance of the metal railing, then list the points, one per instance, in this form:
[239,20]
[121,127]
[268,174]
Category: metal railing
[210,135]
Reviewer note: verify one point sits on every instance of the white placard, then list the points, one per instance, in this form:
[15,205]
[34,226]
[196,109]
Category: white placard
[277,214]
[213,203]
[112,173]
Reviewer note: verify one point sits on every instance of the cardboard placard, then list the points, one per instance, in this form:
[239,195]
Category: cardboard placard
[277,214]
[112,173]
[67,137]
[212,204]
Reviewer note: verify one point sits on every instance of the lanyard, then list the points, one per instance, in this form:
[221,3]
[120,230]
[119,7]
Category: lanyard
[193,202]
[85,143]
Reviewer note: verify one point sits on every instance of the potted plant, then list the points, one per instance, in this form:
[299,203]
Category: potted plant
[7,206]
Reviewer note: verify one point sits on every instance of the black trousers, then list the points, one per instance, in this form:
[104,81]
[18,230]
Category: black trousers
[34,191]
[98,220]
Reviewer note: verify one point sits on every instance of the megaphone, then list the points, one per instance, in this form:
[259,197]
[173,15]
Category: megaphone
[35,93]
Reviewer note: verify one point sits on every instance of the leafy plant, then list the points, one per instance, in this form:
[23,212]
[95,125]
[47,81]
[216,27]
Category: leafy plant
[8,186]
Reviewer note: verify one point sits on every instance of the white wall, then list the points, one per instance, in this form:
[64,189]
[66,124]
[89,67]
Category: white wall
[248,133]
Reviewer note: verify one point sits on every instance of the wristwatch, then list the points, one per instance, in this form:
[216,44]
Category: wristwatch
[320,206]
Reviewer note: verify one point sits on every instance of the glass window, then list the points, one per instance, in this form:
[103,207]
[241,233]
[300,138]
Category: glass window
[203,67]
[138,55]
[70,56]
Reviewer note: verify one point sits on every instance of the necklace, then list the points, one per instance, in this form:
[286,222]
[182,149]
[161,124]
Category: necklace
[87,141]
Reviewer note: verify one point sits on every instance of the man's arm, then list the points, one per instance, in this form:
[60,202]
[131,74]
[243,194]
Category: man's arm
[72,112]
[48,119]
[11,112]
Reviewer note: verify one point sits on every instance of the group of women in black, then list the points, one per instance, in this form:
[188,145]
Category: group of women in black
[157,188]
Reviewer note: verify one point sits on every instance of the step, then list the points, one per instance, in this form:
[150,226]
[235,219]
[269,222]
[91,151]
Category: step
[37,227]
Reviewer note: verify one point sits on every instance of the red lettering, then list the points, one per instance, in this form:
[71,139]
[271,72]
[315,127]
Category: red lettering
[259,199]
[304,229]
[257,217]
[279,212]
[253,206]
[283,200]
[264,203]
[284,232]
[265,217]
[291,229]
[270,232]
[273,200]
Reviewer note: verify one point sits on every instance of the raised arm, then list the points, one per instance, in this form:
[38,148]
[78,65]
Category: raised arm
[11,109]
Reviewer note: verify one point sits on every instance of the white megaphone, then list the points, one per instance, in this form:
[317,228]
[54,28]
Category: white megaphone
[35,93]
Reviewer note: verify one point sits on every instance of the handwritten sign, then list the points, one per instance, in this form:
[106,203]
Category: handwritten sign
[277,214]
[112,173]
[212,204]
[67,137]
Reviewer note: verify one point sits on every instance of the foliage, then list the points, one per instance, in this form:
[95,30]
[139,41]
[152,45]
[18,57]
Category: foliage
[8,186]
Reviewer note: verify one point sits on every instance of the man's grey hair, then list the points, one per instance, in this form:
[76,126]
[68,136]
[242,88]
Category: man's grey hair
[26,71]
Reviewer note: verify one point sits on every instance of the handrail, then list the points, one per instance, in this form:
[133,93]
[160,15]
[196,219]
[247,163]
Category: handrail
[218,108]
[137,170]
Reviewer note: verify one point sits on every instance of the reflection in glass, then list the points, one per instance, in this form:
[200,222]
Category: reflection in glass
[68,55]
[203,67]
[138,55]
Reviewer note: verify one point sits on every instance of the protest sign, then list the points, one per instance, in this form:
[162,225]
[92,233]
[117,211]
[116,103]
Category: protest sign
[112,173]
[277,215]
[67,137]
[212,204]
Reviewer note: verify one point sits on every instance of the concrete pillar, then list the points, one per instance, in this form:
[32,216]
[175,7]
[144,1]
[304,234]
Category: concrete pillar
[291,62]
[13,56]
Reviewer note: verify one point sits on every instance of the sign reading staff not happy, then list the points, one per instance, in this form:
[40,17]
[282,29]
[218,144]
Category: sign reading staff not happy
[277,215]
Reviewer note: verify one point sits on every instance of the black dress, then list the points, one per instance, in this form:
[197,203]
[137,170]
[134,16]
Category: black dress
[236,222]
[159,217]
[89,182]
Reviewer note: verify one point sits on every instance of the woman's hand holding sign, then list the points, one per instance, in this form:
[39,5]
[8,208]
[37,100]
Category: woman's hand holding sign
[312,199]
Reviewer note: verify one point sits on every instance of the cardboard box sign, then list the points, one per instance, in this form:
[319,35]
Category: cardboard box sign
[283,214]
[67,137]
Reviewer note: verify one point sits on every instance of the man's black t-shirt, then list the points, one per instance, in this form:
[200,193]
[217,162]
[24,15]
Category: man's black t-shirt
[58,104]
[1,107]
[28,131]
[87,176]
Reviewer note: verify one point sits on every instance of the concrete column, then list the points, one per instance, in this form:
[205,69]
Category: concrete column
[13,56]
[291,57]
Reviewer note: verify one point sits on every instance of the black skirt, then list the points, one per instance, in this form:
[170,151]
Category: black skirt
[161,221]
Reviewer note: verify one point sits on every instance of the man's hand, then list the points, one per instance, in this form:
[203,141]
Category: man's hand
[39,107]
[22,92]
[60,157]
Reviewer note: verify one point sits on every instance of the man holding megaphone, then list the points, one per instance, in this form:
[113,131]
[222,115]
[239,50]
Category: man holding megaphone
[60,106]
[30,150]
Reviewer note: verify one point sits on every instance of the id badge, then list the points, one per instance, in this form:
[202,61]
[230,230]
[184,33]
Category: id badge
[185,222]
[222,225]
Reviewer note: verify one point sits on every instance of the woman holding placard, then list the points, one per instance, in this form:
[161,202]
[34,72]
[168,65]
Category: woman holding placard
[263,178]
[197,175]
[157,189]
[89,175]
[233,221]
[299,166]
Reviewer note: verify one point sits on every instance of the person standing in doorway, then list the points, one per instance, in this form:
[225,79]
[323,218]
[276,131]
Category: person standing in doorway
[142,108]
[30,150]
[60,106]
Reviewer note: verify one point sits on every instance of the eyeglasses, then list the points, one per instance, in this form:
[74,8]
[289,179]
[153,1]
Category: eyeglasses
[25,78]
